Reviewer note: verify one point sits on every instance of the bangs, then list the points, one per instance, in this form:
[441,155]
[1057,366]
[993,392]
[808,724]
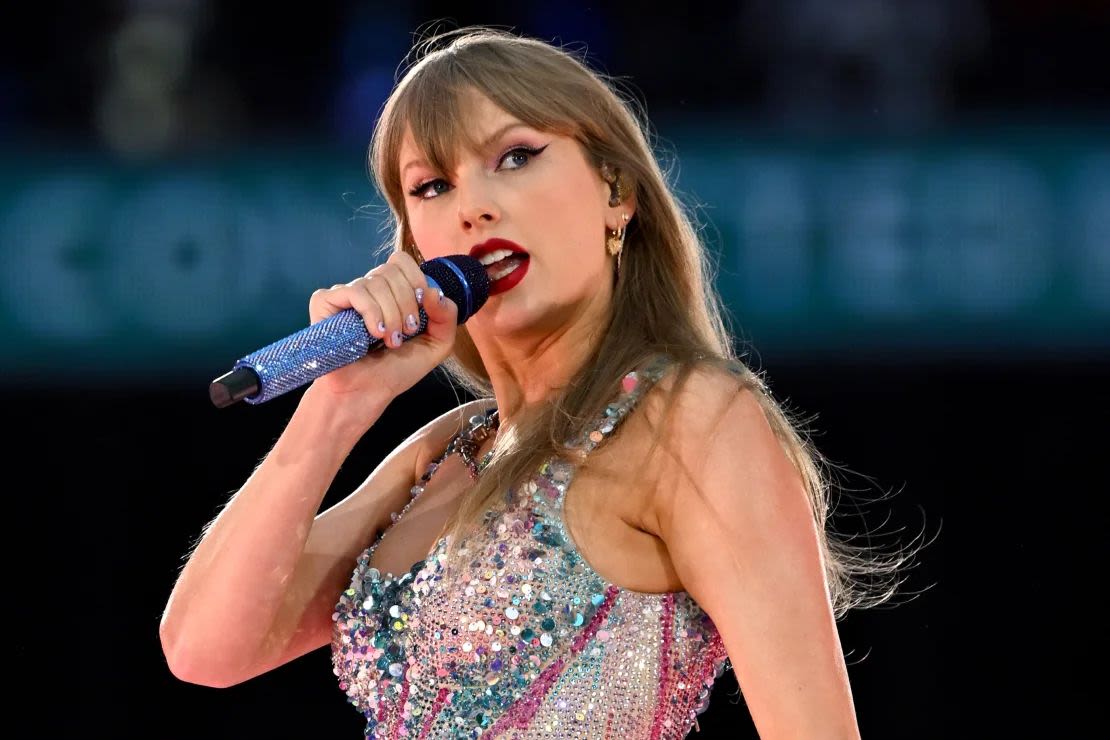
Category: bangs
[434,109]
[437,105]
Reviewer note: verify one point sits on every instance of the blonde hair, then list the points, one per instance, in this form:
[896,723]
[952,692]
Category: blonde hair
[664,298]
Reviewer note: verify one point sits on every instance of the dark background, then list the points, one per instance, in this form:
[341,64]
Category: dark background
[993,455]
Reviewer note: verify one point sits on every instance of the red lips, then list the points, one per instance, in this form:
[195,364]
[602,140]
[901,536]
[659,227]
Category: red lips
[492,245]
[509,281]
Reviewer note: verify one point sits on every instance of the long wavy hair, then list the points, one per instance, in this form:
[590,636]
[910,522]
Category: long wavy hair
[664,297]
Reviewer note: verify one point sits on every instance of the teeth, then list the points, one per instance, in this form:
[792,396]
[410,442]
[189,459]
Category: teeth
[503,272]
[490,258]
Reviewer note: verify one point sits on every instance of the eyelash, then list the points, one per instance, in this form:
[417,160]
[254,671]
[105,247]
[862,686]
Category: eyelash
[532,152]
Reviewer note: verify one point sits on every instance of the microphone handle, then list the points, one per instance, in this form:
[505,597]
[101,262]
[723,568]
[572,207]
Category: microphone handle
[302,357]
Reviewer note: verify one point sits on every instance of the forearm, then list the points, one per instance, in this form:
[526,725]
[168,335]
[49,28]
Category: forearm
[226,598]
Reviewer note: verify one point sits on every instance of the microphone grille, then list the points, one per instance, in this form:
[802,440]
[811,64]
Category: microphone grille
[470,291]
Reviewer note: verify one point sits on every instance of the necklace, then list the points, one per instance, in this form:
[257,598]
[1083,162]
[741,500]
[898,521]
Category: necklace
[466,444]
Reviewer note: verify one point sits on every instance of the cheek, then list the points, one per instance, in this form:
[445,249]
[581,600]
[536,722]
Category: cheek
[428,234]
[569,215]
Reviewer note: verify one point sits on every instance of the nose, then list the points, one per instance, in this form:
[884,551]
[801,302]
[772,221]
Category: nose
[477,206]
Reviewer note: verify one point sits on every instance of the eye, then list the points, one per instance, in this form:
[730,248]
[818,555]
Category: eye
[514,159]
[421,190]
[519,156]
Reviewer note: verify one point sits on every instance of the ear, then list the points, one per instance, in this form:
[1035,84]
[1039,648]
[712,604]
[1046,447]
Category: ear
[620,198]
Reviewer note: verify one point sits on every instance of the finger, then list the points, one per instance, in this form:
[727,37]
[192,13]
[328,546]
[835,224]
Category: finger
[404,293]
[442,315]
[412,271]
[379,290]
[363,302]
[325,302]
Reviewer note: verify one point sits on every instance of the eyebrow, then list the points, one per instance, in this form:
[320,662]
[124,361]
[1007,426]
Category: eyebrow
[489,140]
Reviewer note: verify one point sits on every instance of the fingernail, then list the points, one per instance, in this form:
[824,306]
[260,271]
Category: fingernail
[396,338]
[442,298]
[410,322]
[420,296]
[381,327]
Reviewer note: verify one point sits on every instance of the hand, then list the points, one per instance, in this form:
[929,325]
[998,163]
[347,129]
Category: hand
[386,298]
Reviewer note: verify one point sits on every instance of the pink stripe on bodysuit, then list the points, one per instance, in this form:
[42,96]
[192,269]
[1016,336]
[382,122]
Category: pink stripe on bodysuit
[667,624]
[523,709]
[437,707]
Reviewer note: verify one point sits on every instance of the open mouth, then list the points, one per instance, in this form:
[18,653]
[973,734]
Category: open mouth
[506,271]
[505,266]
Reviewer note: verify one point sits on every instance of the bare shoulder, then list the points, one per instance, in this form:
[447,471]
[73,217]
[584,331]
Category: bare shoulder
[689,408]
[654,458]
[735,515]
[704,416]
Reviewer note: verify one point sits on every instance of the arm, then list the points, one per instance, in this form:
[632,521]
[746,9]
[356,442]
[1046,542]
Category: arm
[260,588]
[738,525]
[247,569]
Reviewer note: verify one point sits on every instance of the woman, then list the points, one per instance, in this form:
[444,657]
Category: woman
[495,598]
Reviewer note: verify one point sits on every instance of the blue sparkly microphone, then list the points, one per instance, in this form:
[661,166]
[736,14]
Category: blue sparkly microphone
[341,339]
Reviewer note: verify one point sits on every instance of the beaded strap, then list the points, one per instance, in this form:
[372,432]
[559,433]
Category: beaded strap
[633,385]
[466,443]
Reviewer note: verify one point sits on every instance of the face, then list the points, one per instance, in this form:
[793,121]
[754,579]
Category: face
[534,189]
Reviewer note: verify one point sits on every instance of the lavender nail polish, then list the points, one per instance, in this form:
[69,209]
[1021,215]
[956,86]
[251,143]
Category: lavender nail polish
[381,327]
[420,296]
[396,338]
[410,322]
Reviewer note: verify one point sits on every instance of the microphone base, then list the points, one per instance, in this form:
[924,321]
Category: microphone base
[229,388]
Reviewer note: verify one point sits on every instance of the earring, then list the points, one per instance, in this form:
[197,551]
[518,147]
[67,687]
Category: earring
[614,242]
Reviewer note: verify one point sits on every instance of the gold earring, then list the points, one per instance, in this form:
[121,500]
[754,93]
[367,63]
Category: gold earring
[614,243]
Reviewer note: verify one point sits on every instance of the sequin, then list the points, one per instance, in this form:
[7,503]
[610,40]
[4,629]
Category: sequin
[521,637]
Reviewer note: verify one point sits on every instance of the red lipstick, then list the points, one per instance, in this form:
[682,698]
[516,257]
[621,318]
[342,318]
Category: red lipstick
[516,263]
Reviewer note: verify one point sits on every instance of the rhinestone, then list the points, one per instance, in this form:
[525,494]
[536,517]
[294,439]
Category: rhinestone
[468,642]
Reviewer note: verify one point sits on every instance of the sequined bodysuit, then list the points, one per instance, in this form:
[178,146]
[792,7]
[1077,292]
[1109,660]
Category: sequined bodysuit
[519,637]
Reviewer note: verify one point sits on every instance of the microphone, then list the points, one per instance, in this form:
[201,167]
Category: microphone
[341,339]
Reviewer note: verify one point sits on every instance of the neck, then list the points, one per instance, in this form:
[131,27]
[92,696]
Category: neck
[529,368]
